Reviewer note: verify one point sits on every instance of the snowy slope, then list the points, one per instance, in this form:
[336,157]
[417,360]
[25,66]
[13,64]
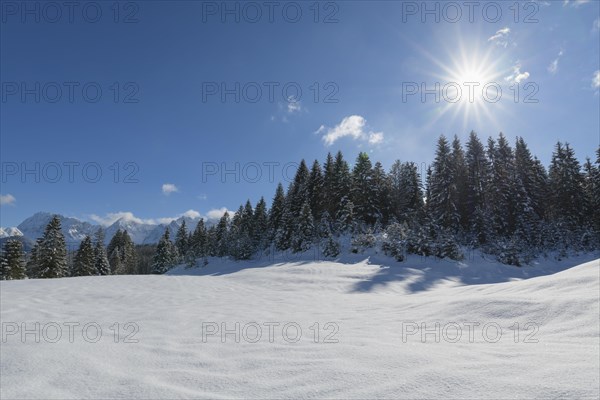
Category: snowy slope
[371,301]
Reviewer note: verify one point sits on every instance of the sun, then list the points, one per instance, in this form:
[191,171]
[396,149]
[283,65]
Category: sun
[470,81]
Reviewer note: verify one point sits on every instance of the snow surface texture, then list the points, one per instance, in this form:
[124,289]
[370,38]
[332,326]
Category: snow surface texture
[373,301]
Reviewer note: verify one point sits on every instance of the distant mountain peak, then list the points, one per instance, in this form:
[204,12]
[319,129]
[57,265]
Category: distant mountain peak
[75,230]
[10,231]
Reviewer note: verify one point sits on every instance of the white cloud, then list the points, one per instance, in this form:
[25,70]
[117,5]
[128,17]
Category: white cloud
[111,218]
[202,197]
[596,25]
[553,67]
[7,200]
[575,3]
[596,80]
[216,213]
[375,137]
[500,38]
[169,188]
[517,76]
[353,126]
[191,214]
[293,106]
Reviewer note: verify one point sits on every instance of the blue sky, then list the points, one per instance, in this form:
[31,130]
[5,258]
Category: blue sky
[162,124]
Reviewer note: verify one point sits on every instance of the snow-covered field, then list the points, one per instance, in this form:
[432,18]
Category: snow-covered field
[370,312]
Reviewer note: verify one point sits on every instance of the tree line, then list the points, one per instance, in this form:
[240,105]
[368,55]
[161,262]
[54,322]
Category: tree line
[495,197]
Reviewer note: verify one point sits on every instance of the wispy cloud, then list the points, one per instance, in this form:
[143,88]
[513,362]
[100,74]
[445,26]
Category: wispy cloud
[287,109]
[294,107]
[375,137]
[596,80]
[517,76]
[575,3]
[169,188]
[354,127]
[500,38]
[596,25]
[553,67]
[7,200]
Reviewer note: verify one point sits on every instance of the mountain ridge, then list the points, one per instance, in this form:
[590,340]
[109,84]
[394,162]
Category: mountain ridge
[75,230]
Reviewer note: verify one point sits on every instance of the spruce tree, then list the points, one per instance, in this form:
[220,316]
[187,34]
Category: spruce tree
[164,258]
[115,241]
[406,194]
[594,191]
[84,263]
[316,189]
[33,262]
[248,220]
[398,201]
[13,259]
[114,251]
[325,227]
[329,189]
[528,207]
[100,256]
[303,236]
[297,195]
[276,213]
[114,260]
[381,193]
[261,225]
[345,218]
[332,247]
[458,189]
[342,183]
[128,255]
[221,236]
[502,195]
[477,191]
[362,193]
[198,245]
[240,245]
[442,203]
[4,271]
[53,251]
[566,184]
[181,240]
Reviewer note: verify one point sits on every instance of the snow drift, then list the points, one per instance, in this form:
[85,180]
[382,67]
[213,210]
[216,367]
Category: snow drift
[360,328]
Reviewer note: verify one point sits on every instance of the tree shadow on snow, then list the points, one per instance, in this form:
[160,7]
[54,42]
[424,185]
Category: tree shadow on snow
[422,273]
[417,273]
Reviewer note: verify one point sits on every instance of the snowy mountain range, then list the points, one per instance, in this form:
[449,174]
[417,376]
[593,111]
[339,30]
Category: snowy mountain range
[76,230]
[8,232]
